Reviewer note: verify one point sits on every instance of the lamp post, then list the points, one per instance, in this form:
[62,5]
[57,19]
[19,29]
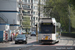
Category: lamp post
[37,24]
[39,10]
[69,19]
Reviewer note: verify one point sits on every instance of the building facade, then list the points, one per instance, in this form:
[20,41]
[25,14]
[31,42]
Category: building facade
[42,2]
[26,13]
[9,12]
[35,14]
[20,14]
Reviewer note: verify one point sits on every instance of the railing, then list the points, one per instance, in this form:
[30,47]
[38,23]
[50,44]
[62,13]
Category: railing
[4,18]
[20,1]
[28,14]
[25,3]
[27,8]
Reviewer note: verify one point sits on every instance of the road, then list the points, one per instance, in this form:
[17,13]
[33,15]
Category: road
[66,43]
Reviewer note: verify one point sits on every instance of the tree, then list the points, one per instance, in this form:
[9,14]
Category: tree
[72,13]
[59,11]
[72,2]
[26,22]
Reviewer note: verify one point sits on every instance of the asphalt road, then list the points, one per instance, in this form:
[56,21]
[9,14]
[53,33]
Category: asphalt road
[66,43]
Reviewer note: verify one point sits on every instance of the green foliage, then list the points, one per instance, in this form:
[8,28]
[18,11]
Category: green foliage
[62,11]
[72,16]
[59,12]
[73,32]
[64,32]
[26,22]
[71,3]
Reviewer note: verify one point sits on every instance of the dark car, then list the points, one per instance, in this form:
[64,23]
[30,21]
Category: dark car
[33,33]
[21,38]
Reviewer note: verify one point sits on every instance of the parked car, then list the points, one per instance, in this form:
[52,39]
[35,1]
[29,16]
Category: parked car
[21,38]
[33,33]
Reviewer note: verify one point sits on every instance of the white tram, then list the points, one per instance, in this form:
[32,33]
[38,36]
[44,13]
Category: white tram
[49,30]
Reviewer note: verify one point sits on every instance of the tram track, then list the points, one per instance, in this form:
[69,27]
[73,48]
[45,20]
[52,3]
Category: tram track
[64,43]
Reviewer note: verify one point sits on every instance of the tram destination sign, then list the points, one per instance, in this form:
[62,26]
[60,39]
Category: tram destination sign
[46,23]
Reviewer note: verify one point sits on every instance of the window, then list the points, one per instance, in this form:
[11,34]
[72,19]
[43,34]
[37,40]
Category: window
[19,5]
[19,11]
[19,18]
[35,1]
[26,6]
[26,12]
[28,1]
[23,5]
[36,18]
[31,1]
[32,7]
[35,7]
[33,24]
[36,13]
[33,18]
[33,12]
[25,0]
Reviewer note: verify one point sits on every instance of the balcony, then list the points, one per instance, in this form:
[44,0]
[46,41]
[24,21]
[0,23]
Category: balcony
[20,2]
[25,3]
[21,8]
[27,8]
[21,19]
[21,14]
[27,14]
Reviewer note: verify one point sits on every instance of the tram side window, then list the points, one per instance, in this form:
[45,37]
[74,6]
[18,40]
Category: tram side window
[57,29]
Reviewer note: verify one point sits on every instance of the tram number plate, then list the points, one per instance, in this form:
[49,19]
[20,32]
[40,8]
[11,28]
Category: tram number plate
[46,37]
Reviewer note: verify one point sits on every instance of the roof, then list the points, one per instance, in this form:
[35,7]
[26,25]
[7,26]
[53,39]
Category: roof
[52,20]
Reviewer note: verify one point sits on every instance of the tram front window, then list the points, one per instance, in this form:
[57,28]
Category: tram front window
[47,29]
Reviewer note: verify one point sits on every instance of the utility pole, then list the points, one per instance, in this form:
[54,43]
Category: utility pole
[37,24]
[39,10]
[69,20]
[36,32]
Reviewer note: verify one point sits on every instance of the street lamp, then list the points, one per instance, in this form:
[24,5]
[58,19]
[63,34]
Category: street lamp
[69,19]
[37,24]
[39,10]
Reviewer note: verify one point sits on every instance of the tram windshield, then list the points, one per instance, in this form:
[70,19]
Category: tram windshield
[47,28]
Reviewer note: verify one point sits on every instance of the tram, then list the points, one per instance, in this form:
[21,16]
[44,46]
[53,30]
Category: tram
[49,30]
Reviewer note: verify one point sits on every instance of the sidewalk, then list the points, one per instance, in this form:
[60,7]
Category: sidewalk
[6,42]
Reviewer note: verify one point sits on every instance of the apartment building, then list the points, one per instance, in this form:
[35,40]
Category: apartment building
[42,2]
[9,12]
[26,13]
[35,14]
[22,13]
